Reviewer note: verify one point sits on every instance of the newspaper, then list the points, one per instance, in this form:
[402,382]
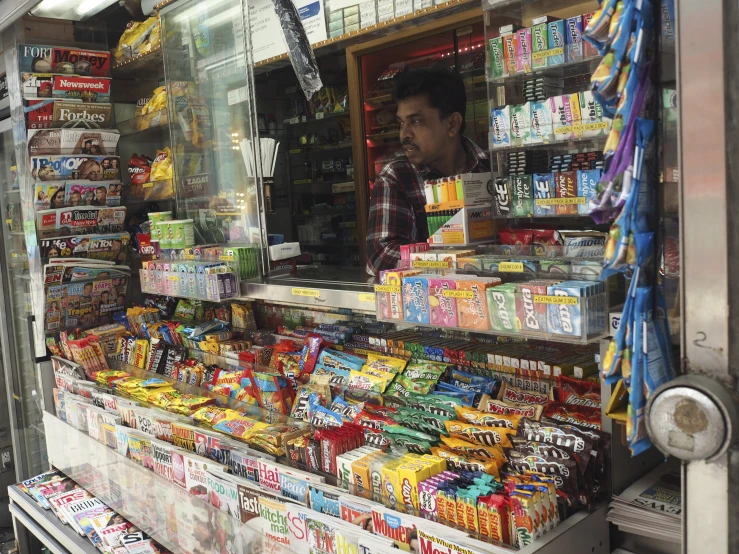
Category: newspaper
[652,506]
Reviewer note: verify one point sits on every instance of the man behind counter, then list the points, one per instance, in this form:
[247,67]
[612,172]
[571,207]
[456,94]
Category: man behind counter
[431,108]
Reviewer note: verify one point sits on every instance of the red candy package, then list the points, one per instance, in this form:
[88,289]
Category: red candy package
[581,416]
[578,392]
[544,243]
[309,354]
[518,239]
[139,169]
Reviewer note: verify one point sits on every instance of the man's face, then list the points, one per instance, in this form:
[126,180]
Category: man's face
[424,134]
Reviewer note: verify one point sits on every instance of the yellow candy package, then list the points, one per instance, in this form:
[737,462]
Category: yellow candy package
[470,415]
[239,426]
[383,362]
[455,462]
[161,168]
[479,451]
[480,434]
[209,414]
[365,381]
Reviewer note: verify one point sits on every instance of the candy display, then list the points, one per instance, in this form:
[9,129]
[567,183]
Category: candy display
[422,430]
[556,118]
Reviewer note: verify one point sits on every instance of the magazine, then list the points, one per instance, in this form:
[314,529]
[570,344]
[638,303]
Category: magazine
[90,142]
[111,247]
[82,220]
[85,303]
[61,168]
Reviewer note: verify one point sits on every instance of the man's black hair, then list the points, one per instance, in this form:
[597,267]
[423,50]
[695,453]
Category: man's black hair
[444,89]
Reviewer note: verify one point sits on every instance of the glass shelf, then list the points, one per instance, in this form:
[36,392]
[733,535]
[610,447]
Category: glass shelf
[560,71]
[588,143]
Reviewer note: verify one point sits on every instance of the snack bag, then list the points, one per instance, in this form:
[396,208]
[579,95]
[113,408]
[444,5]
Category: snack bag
[139,169]
[161,168]
[132,40]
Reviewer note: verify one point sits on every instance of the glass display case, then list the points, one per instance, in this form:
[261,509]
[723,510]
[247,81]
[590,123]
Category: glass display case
[212,125]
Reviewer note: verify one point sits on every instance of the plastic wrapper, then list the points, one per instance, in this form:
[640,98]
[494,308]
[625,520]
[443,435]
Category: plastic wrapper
[134,38]
[298,48]
[161,168]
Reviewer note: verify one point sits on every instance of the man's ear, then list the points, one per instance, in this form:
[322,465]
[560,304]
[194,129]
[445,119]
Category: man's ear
[455,124]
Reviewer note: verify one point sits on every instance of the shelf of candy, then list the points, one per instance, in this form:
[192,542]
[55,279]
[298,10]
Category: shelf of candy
[563,119]
[548,309]
[424,434]
[77,511]
[551,46]
[83,293]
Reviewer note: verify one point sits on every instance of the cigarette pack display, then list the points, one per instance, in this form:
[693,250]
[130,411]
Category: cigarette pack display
[523,195]
[565,184]
[72,141]
[520,124]
[587,181]
[87,89]
[573,39]
[61,168]
[543,184]
[66,61]
[44,114]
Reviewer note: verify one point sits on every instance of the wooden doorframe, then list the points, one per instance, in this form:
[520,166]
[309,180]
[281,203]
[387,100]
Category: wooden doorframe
[356,104]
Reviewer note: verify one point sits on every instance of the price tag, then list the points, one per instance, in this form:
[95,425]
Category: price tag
[567,129]
[561,201]
[173,277]
[292,121]
[189,256]
[319,115]
[452,237]
[296,151]
[567,300]
[8,221]
[302,181]
[312,293]
[458,293]
[427,264]
[148,185]
[14,255]
[387,288]
[511,267]
[226,258]
[547,53]
[366,297]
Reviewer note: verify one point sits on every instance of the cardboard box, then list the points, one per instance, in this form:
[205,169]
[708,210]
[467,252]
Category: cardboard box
[470,225]
[284,251]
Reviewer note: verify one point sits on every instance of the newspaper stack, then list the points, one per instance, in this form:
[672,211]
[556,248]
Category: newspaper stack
[651,507]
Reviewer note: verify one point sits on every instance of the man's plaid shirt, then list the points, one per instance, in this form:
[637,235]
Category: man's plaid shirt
[396,213]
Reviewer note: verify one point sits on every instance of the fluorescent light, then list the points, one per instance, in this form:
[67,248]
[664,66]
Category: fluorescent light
[70,9]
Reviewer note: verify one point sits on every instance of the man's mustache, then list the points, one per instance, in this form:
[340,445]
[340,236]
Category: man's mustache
[409,143]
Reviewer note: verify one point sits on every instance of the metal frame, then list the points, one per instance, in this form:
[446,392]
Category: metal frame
[707,93]
[31,520]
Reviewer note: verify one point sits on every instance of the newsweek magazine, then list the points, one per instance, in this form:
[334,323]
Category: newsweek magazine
[82,141]
[110,247]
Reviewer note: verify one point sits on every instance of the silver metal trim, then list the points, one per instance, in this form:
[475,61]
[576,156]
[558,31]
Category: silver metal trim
[56,529]
[30,526]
